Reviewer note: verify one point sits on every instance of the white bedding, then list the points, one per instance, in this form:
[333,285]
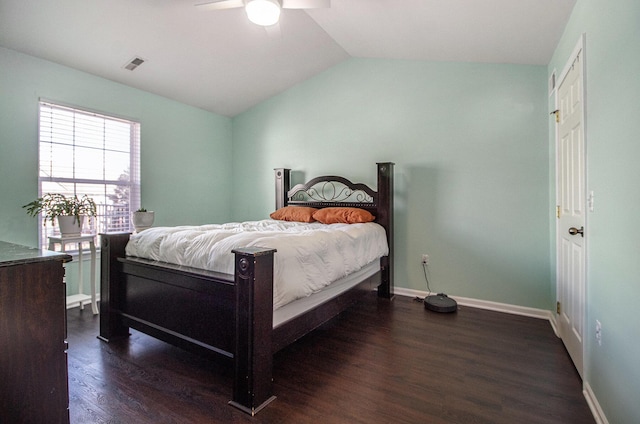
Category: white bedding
[309,256]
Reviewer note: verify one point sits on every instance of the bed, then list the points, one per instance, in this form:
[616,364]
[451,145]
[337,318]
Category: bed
[231,315]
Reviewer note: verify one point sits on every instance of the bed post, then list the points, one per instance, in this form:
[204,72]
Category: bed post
[253,359]
[385,218]
[282,187]
[112,247]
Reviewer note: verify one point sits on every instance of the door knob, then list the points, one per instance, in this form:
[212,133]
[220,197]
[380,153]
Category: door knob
[573,231]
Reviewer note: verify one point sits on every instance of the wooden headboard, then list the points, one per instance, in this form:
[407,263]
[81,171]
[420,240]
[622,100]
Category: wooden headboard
[334,191]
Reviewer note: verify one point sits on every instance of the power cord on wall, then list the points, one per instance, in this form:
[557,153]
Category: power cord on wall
[425,269]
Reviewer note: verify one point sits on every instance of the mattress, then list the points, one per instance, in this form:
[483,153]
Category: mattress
[309,257]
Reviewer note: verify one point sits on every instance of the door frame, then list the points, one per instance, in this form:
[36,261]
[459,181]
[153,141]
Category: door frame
[579,49]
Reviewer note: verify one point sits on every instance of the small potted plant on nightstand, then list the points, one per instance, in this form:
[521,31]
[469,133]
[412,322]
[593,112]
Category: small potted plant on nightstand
[142,219]
[70,212]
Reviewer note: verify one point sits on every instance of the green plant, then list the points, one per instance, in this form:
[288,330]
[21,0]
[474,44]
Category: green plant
[141,210]
[52,205]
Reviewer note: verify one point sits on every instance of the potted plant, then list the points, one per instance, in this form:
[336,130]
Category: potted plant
[142,219]
[69,211]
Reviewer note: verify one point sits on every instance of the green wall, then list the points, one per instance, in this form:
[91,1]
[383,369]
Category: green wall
[472,167]
[612,32]
[185,151]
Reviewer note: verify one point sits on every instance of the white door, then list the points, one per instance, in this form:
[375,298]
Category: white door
[571,210]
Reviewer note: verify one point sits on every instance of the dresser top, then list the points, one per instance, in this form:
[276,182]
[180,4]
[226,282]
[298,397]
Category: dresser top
[15,254]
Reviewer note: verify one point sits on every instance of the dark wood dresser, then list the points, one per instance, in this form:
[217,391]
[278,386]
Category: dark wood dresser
[33,347]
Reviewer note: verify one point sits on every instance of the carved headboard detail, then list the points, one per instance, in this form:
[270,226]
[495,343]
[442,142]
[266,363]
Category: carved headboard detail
[332,189]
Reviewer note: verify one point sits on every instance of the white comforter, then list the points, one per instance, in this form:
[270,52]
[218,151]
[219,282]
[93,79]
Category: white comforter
[309,256]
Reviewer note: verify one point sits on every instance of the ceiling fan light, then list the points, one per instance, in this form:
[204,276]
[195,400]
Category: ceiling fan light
[263,12]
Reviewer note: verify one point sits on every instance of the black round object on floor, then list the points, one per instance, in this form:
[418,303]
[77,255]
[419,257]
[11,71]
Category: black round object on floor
[440,303]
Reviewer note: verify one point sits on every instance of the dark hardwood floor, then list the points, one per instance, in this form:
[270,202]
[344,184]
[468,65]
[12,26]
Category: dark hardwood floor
[379,362]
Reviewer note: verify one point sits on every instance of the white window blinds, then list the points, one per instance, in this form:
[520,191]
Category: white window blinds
[83,152]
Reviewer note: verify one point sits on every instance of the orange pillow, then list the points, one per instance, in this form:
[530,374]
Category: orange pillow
[343,215]
[294,213]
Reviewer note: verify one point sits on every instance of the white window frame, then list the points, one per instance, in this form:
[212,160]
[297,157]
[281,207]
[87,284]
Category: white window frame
[55,131]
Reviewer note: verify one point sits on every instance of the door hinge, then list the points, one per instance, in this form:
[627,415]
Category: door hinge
[558,308]
[557,211]
[557,113]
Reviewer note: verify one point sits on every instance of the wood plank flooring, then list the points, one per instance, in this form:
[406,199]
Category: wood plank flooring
[379,362]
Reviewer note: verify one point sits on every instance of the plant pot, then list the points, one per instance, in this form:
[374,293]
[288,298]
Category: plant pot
[142,220]
[69,226]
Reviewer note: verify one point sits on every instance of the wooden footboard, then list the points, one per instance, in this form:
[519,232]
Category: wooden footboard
[227,315]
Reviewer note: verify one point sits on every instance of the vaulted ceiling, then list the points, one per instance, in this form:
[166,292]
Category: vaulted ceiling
[219,61]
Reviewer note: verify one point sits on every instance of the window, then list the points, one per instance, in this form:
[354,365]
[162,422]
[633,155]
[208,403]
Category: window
[83,152]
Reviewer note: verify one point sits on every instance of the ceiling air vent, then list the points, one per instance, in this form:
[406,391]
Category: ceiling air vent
[134,63]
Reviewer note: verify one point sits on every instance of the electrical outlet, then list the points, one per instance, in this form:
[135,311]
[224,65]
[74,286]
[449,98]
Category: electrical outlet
[425,259]
[599,333]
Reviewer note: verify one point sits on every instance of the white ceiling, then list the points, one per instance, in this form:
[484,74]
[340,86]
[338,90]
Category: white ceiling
[218,61]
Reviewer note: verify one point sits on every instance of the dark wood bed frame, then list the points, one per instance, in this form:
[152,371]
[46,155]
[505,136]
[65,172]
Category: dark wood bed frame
[232,315]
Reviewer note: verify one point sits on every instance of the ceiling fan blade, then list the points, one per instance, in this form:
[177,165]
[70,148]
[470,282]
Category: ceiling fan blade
[220,4]
[305,4]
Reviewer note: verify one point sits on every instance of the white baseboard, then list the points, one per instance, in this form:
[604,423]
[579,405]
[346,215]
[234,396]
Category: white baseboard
[594,405]
[554,324]
[485,304]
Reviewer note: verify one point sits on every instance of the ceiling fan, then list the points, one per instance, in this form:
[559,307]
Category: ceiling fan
[264,12]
